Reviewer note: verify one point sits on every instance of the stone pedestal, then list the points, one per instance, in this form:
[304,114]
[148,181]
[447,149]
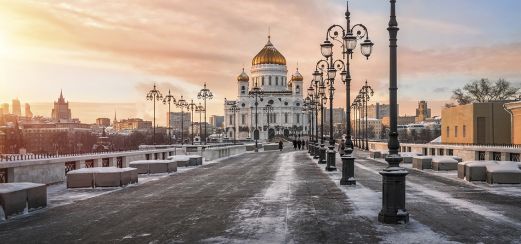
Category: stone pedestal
[322,154]
[331,164]
[348,170]
[316,153]
[393,194]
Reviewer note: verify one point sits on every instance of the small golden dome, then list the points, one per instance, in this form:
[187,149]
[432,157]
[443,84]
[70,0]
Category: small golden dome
[243,76]
[269,55]
[297,76]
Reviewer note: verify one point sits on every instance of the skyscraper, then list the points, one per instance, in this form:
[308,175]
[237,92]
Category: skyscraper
[61,111]
[17,108]
[28,113]
[5,108]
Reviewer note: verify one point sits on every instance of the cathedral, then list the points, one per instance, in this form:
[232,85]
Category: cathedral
[280,105]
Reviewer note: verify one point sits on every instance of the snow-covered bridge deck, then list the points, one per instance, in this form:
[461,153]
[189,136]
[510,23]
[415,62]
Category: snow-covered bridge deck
[274,197]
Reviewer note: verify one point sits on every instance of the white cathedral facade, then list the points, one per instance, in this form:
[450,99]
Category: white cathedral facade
[285,96]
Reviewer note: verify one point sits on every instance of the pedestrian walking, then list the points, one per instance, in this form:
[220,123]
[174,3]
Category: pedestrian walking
[299,144]
[281,145]
[295,144]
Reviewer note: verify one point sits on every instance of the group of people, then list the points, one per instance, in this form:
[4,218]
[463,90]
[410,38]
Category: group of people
[299,144]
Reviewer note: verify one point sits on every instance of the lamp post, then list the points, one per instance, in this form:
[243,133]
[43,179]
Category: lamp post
[268,109]
[348,37]
[358,121]
[170,99]
[234,109]
[251,120]
[205,94]
[367,92]
[192,106]
[354,106]
[200,109]
[311,96]
[318,76]
[256,93]
[154,95]
[181,103]
[393,177]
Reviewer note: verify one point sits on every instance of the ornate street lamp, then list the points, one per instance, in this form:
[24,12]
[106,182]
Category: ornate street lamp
[154,95]
[192,106]
[348,38]
[170,99]
[234,109]
[205,94]
[200,109]
[268,109]
[393,177]
[181,103]
[256,93]
[367,92]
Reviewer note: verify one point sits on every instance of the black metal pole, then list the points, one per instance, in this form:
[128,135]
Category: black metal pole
[182,125]
[205,121]
[366,123]
[154,128]
[393,177]
[192,120]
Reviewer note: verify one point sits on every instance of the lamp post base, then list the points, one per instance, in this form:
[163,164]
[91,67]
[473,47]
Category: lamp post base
[322,154]
[348,170]
[393,193]
[331,164]
[316,151]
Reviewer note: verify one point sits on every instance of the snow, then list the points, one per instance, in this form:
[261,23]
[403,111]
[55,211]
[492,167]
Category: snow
[262,218]
[179,158]
[10,187]
[99,170]
[150,162]
[367,204]
[503,166]
[454,202]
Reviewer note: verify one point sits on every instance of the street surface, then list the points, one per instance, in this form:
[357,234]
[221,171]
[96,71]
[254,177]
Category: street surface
[276,197]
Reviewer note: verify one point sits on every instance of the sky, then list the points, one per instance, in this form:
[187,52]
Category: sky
[106,55]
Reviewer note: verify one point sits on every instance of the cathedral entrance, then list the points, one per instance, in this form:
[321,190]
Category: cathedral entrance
[286,133]
[271,133]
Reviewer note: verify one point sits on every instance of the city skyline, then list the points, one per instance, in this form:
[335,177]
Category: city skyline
[88,49]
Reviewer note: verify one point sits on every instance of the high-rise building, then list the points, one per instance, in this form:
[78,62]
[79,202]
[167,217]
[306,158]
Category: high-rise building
[422,112]
[17,108]
[217,121]
[5,108]
[174,121]
[339,116]
[28,113]
[377,110]
[61,111]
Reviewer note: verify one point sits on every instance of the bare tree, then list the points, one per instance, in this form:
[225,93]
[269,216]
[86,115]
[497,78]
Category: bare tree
[484,90]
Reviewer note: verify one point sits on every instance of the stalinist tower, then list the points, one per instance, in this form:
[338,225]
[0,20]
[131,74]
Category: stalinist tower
[61,111]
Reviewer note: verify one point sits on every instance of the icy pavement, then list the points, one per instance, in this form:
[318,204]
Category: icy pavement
[274,197]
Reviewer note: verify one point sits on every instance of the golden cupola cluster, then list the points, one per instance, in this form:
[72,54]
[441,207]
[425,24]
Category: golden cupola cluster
[297,76]
[243,76]
[269,55]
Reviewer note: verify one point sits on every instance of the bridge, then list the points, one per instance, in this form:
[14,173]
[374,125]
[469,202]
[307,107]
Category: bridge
[276,197]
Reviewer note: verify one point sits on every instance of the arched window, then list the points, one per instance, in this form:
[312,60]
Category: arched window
[297,89]
[263,80]
[286,118]
[269,80]
[243,89]
[276,80]
[448,131]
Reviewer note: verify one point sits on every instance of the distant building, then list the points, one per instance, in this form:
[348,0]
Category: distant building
[476,123]
[103,122]
[5,108]
[402,120]
[217,121]
[56,137]
[339,116]
[374,128]
[17,108]
[174,121]
[378,111]
[61,111]
[28,113]
[514,108]
[132,124]
[422,112]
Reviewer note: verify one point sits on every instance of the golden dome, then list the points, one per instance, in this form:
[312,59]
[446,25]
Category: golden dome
[297,76]
[269,55]
[243,76]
